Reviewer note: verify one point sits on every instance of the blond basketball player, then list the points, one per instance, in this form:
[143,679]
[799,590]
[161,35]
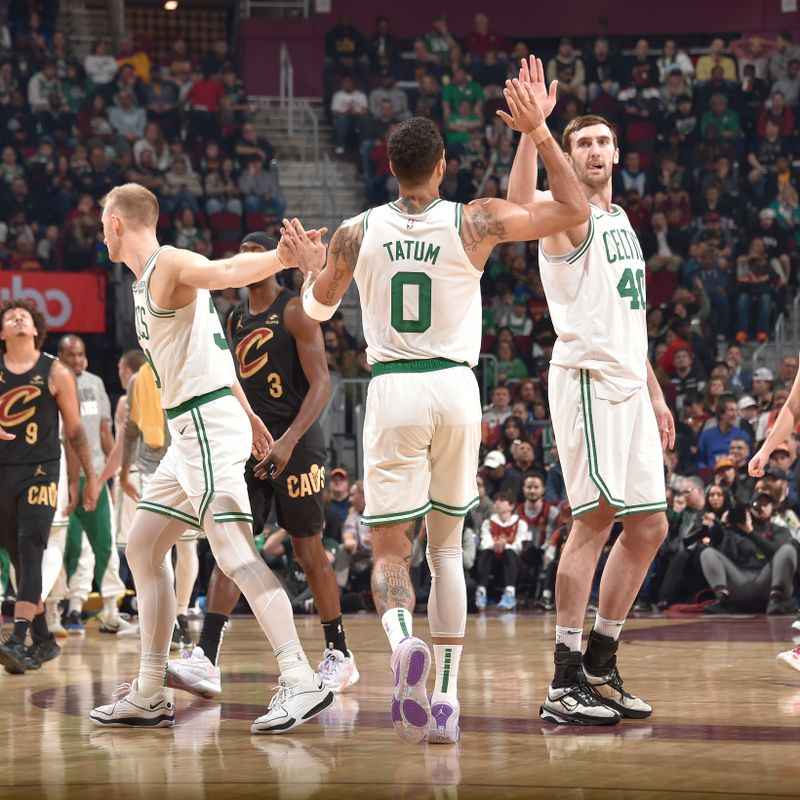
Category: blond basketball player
[418,264]
[200,481]
[609,418]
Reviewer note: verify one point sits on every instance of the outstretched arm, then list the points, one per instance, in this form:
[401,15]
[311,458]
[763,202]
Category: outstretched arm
[788,418]
[488,222]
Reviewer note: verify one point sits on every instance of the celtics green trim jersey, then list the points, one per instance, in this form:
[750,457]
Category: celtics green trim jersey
[186,347]
[596,297]
[420,294]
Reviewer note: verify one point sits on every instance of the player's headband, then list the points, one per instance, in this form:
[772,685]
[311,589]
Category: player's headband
[257,237]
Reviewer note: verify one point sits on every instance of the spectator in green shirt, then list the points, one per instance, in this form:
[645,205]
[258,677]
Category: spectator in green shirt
[460,125]
[439,40]
[725,119]
[462,87]
[510,367]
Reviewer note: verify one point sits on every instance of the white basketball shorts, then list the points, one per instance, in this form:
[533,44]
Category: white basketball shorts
[422,431]
[608,448]
[211,441]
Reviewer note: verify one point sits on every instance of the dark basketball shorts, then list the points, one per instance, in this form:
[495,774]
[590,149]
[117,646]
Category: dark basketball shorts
[297,491]
[28,502]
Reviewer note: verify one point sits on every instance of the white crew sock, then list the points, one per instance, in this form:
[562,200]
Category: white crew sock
[152,674]
[110,607]
[571,637]
[75,605]
[608,627]
[512,590]
[397,622]
[448,657]
[293,663]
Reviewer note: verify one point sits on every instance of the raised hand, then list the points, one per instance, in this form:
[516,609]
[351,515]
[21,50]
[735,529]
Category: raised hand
[531,75]
[526,112]
[307,250]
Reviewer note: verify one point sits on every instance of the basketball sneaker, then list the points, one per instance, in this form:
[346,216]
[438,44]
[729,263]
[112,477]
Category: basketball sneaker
[135,710]
[600,670]
[337,670]
[40,652]
[411,711]
[508,602]
[480,600]
[193,672]
[444,727]
[54,624]
[570,699]
[293,704]
[74,625]
[12,656]
[791,658]
[113,623]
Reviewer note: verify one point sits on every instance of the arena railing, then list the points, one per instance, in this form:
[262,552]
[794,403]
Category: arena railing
[290,7]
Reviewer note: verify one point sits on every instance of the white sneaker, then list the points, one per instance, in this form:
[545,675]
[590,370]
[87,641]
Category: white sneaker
[54,624]
[790,658]
[337,670]
[293,704]
[193,672]
[135,710]
[113,623]
[411,710]
[129,631]
[609,687]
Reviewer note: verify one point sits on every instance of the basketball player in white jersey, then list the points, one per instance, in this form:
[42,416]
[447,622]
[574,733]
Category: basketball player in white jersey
[200,481]
[609,418]
[418,263]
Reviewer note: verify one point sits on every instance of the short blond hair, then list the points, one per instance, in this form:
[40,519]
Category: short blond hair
[133,204]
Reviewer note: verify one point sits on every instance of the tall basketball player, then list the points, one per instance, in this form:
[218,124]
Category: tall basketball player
[280,363]
[609,418]
[418,263]
[200,480]
[34,388]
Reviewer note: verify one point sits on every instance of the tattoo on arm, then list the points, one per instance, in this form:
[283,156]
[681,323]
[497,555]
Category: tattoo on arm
[80,445]
[345,246]
[477,224]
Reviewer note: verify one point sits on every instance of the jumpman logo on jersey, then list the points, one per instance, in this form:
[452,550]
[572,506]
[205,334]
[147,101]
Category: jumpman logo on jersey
[39,471]
[239,324]
[36,380]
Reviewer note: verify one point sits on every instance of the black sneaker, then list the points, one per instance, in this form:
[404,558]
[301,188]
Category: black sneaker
[12,657]
[570,699]
[722,605]
[780,605]
[600,669]
[40,652]
[180,634]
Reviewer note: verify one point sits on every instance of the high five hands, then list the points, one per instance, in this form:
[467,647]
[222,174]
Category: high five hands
[530,86]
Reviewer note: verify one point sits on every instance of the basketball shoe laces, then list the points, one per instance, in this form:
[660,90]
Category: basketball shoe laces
[283,693]
[585,692]
[327,669]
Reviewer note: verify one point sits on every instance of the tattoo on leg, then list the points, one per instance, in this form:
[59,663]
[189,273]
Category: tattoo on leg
[392,587]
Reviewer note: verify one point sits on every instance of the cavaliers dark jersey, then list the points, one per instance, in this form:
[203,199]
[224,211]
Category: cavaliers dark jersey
[30,412]
[267,363]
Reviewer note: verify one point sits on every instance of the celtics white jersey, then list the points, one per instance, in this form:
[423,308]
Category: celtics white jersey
[596,297]
[185,347]
[420,294]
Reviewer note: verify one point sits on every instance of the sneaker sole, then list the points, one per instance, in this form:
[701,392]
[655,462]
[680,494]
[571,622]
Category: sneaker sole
[434,737]
[788,662]
[201,689]
[163,721]
[12,666]
[576,719]
[293,722]
[411,711]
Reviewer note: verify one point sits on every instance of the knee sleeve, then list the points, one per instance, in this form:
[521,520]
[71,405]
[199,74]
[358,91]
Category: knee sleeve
[447,604]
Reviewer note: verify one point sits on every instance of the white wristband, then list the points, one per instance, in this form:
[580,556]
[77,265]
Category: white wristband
[316,310]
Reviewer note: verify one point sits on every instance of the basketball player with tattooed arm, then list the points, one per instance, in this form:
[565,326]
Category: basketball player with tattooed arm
[280,362]
[200,480]
[418,263]
[34,388]
[609,418]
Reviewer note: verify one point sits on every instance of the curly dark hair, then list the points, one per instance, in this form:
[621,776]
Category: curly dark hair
[415,148]
[38,320]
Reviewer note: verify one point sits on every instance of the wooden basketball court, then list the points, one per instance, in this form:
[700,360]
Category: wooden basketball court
[727,723]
